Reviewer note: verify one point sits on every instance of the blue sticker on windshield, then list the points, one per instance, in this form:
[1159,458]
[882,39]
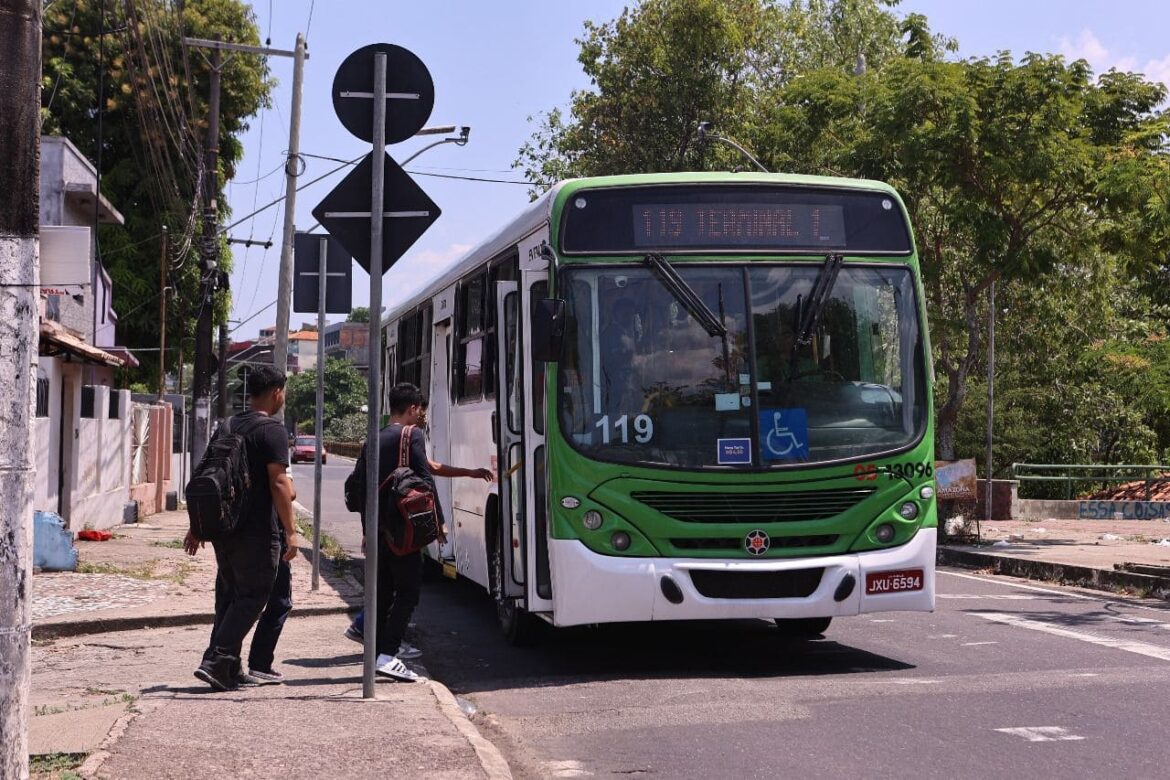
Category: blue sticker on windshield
[784,434]
[735,452]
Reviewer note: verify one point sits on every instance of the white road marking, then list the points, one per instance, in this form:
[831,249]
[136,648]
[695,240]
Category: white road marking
[568,768]
[1041,733]
[1129,646]
[882,621]
[914,682]
[1065,593]
[996,596]
[977,644]
[943,636]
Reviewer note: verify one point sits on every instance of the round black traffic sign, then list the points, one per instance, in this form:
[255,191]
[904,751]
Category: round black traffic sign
[408,84]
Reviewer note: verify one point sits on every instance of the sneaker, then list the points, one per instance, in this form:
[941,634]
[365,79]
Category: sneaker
[261,677]
[215,678]
[353,633]
[390,666]
[407,651]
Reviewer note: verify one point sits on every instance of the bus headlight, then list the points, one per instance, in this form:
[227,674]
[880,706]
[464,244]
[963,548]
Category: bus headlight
[908,510]
[884,533]
[592,520]
[620,541]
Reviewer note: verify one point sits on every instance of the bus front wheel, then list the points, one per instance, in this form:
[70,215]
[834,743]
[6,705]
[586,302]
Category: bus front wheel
[803,628]
[519,626]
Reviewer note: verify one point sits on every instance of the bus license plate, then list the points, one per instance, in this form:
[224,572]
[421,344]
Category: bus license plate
[879,582]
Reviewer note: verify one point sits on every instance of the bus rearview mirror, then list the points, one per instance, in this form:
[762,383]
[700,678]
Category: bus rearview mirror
[548,329]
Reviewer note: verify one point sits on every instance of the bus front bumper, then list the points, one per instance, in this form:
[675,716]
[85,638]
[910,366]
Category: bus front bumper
[593,588]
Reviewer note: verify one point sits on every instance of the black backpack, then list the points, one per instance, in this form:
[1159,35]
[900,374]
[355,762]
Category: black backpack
[221,484]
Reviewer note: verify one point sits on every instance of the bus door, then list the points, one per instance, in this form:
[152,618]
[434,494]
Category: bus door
[439,426]
[508,428]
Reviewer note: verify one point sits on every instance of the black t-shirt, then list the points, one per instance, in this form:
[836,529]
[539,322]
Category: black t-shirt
[267,442]
[388,441]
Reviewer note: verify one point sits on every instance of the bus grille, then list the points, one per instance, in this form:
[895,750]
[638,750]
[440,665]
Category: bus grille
[778,542]
[754,507]
[798,583]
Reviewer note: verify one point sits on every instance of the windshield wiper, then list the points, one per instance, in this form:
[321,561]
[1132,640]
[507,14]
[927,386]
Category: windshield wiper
[810,311]
[686,295]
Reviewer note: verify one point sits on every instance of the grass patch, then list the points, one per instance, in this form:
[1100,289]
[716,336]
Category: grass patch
[173,544]
[143,571]
[331,549]
[56,765]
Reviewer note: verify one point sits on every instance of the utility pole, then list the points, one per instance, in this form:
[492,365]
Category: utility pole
[221,389]
[209,267]
[201,386]
[20,121]
[162,315]
[285,280]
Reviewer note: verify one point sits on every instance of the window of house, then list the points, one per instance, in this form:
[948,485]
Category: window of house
[115,405]
[42,396]
[87,402]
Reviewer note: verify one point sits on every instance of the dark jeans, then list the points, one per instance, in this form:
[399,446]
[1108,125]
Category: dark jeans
[248,568]
[399,582]
[263,650]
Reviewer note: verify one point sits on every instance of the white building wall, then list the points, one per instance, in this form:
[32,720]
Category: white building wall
[47,440]
[101,486]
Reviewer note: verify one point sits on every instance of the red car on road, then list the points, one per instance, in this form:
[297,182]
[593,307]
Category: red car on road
[304,449]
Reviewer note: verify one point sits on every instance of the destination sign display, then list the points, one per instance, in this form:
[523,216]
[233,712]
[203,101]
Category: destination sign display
[736,218]
[738,224]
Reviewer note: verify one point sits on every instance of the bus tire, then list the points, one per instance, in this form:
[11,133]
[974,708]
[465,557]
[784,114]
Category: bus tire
[803,628]
[519,626]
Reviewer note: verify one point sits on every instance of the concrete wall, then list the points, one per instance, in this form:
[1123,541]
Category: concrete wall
[47,440]
[157,463]
[101,476]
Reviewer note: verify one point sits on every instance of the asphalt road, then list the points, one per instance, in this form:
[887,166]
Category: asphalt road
[336,520]
[1005,679]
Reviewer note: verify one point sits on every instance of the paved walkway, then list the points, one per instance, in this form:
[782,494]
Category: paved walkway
[1125,555]
[115,645]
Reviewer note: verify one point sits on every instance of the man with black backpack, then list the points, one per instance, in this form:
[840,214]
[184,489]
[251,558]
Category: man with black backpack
[252,530]
[402,465]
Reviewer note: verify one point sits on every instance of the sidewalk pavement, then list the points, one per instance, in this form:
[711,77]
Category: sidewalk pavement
[115,644]
[1129,556]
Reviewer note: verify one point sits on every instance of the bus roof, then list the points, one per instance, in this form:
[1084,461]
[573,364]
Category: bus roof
[539,213]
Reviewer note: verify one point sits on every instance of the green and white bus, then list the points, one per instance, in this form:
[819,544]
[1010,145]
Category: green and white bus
[705,395]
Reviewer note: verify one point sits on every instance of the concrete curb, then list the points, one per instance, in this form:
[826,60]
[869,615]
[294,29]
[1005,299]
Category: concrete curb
[93,762]
[99,625]
[491,760]
[1071,574]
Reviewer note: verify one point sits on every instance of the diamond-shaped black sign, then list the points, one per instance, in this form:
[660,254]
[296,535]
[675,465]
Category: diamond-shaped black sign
[407,212]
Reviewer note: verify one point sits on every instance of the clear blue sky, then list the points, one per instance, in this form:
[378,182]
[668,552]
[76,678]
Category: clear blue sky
[495,64]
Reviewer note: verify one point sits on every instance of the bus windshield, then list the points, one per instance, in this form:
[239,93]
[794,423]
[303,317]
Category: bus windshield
[644,382]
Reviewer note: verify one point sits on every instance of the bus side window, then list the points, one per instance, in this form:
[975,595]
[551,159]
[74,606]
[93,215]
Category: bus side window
[539,290]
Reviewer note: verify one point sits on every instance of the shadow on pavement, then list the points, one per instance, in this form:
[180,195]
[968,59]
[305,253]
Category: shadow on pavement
[464,648]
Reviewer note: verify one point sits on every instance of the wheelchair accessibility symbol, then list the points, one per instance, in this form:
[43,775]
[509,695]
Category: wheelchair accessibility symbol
[784,433]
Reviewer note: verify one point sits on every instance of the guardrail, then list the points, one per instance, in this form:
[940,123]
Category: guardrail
[1092,474]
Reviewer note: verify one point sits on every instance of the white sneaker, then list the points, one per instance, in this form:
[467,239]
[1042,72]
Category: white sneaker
[407,651]
[390,666]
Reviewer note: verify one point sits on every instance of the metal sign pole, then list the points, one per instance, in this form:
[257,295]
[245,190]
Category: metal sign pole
[377,207]
[319,428]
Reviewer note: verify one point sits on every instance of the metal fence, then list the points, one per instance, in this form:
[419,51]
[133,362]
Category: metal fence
[1077,479]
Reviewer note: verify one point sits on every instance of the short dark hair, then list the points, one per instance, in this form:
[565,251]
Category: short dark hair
[405,395]
[261,379]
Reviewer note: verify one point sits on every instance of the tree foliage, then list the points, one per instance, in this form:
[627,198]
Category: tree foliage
[359,314]
[153,123]
[1035,175]
[345,392]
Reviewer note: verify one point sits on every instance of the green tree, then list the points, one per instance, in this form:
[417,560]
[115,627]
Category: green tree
[153,125]
[665,65]
[345,393]
[358,314]
[1013,174]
